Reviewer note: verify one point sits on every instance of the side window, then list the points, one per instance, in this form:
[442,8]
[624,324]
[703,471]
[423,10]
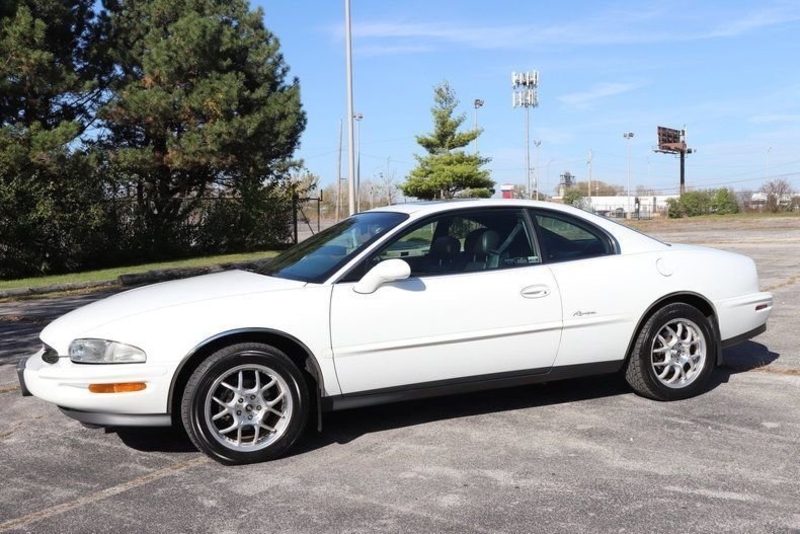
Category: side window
[413,244]
[461,242]
[564,238]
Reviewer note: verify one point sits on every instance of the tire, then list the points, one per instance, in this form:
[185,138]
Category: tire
[246,403]
[674,354]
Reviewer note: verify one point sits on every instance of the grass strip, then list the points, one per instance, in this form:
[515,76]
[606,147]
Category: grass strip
[107,275]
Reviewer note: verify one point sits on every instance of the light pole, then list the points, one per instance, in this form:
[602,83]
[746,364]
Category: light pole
[537,144]
[357,117]
[351,159]
[524,85]
[478,104]
[628,136]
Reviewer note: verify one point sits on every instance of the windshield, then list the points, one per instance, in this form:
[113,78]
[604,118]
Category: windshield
[319,256]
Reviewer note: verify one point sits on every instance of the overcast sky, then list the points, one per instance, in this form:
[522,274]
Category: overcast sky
[727,70]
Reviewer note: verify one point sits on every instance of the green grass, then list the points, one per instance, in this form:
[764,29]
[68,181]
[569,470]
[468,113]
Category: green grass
[106,275]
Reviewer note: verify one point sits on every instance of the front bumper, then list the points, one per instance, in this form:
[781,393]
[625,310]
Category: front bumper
[66,384]
[97,419]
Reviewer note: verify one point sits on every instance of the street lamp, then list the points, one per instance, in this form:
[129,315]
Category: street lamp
[357,117]
[478,104]
[628,136]
[537,144]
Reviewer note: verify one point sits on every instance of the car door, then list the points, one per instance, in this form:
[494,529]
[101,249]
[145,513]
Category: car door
[478,302]
[602,291]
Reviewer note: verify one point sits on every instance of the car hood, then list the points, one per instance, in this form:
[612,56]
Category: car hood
[161,296]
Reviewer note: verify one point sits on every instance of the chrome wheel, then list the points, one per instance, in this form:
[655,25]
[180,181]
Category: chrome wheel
[248,408]
[678,353]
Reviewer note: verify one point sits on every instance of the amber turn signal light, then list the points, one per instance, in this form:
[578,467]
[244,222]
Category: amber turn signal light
[123,387]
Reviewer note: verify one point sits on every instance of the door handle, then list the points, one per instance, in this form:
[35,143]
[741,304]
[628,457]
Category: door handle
[535,292]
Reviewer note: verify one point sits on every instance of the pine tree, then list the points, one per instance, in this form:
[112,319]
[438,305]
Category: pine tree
[447,171]
[49,84]
[202,103]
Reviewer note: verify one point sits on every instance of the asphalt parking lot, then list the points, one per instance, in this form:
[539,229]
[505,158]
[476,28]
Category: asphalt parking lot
[573,456]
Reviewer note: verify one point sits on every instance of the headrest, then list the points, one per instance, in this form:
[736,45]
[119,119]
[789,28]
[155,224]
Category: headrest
[444,247]
[482,242]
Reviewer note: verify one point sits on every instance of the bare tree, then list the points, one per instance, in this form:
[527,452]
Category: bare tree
[388,187]
[779,194]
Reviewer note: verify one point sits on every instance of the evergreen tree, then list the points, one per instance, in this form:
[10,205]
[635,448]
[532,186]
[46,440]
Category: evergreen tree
[201,104]
[49,82]
[447,171]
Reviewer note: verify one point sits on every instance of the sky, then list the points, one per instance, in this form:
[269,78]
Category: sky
[726,71]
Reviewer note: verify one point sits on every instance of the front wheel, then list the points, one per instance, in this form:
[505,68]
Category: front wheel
[674,353]
[246,403]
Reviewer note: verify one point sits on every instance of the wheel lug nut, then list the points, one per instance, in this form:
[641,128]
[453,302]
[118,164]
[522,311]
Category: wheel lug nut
[250,417]
[252,397]
[241,400]
[238,412]
[258,407]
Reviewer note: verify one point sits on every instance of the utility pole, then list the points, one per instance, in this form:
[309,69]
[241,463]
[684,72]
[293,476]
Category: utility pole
[524,94]
[350,133]
[478,103]
[628,136]
[589,174]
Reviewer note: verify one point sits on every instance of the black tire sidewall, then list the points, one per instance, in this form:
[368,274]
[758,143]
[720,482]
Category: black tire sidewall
[647,338]
[193,402]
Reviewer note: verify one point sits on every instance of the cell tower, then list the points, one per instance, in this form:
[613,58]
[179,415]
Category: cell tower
[524,87]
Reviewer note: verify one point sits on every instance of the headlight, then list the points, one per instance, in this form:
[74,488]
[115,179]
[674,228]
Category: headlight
[104,351]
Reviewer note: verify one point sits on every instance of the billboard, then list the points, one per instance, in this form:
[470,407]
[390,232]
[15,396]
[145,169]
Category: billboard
[669,140]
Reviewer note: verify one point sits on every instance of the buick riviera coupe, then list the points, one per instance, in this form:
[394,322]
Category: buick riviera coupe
[401,302]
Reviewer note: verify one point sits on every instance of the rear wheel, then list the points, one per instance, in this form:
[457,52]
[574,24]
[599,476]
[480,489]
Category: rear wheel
[673,355]
[246,403]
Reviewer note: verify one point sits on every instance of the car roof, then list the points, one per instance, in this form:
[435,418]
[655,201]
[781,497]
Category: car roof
[435,206]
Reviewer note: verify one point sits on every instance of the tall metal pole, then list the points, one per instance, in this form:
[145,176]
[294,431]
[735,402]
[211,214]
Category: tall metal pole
[339,176]
[683,172]
[528,151]
[537,144]
[478,103]
[351,155]
[589,177]
[628,136]
[357,117]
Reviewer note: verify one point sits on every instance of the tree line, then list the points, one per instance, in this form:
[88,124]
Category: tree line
[141,131]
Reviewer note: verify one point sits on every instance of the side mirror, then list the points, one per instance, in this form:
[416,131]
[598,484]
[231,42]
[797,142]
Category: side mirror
[385,271]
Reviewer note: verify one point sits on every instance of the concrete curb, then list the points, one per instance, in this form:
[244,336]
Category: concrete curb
[130,280]
[43,290]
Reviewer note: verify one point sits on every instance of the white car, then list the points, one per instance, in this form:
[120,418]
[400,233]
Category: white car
[401,302]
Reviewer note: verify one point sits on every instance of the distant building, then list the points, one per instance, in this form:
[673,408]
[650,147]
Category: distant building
[620,206]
